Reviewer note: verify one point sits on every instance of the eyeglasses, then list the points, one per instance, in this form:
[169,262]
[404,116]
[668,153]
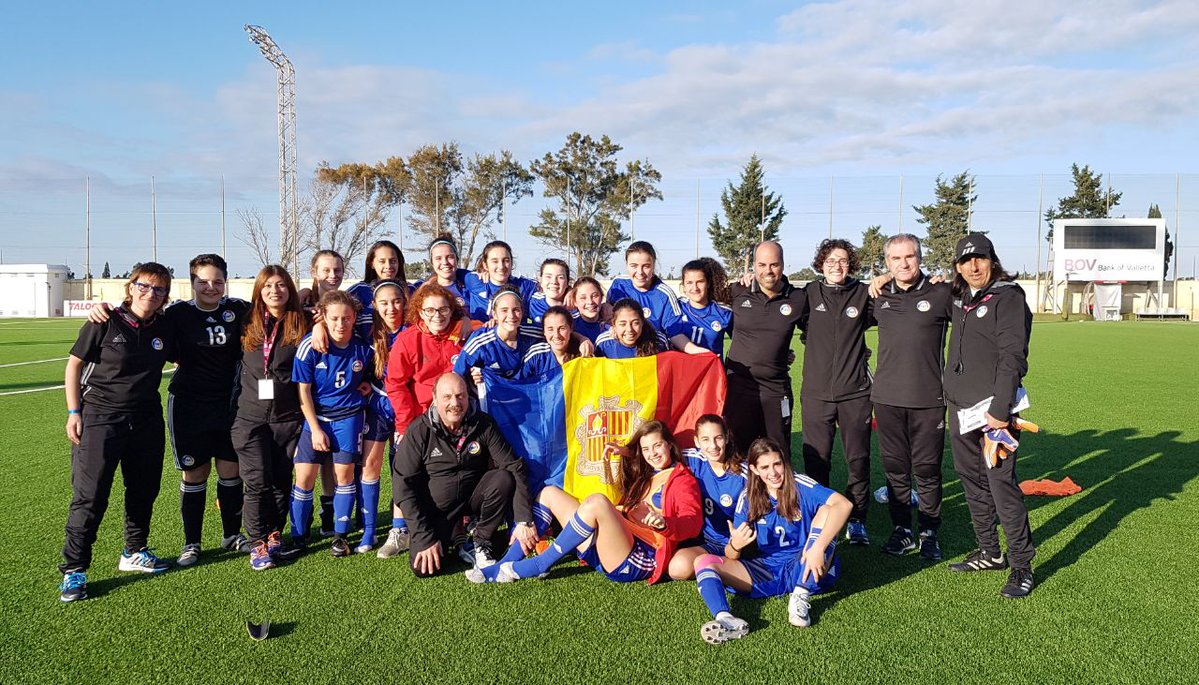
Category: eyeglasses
[144,288]
[836,262]
[434,311]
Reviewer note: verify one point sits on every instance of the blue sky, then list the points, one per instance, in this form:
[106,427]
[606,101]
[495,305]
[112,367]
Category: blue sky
[863,91]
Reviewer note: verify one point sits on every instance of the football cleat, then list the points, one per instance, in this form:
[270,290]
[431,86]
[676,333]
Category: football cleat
[799,607]
[237,543]
[900,542]
[1019,584]
[723,628]
[340,548]
[930,546]
[979,561]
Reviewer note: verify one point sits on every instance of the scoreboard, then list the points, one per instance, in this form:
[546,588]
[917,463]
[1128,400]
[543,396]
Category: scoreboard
[1109,249]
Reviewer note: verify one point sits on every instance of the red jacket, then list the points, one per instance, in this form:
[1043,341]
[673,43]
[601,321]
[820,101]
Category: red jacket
[684,514]
[418,358]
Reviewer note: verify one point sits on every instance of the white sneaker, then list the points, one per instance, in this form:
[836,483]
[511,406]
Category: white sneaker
[483,557]
[142,561]
[398,541]
[723,628]
[190,555]
[798,608]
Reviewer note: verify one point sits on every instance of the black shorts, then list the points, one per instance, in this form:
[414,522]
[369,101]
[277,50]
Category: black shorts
[200,431]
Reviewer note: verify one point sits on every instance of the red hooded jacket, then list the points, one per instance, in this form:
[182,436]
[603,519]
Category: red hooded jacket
[684,513]
[418,358]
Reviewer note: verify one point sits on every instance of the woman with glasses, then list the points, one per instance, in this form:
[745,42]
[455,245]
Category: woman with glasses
[114,419]
[419,356]
[836,376]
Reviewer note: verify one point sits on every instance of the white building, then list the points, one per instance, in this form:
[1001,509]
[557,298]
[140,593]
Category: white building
[32,290]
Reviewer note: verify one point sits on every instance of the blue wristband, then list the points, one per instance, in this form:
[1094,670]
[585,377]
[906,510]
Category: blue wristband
[74,411]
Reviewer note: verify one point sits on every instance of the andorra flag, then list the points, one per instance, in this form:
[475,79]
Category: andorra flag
[563,422]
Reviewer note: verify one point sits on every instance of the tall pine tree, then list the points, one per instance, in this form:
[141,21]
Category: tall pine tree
[1155,212]
[947,220]
[1089,201]
[873,253]
[751,215]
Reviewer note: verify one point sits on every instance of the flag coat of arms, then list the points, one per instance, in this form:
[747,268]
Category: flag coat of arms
[563,423]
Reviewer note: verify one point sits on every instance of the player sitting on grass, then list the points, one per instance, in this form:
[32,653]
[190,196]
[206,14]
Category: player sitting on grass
[795,522]
[630,541]
[331,397]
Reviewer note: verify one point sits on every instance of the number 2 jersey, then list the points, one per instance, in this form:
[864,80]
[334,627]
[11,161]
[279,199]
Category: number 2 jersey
[208,350]
[781,539]
[335,376]
[720,495]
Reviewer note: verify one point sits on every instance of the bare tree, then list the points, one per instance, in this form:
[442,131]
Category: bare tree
[254,236]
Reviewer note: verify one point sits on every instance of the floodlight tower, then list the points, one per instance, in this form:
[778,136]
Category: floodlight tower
[286,96]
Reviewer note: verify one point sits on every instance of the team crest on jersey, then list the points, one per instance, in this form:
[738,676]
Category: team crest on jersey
[851,312]
[228,316]
[647,312]
[473,447]
[189,460]
[156,344]
[461,302]
[716,326]
[357,365]
[785,310]
[982,311]
[607,423]
[726,500]
[923,305]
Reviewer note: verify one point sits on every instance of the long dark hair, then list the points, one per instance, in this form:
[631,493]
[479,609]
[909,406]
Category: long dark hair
[714,274]
[370,275]
[755,487]
[481,263]
[314,293]
[293,322]
[962,289]
[635,472]
[647,343]
[729,459]
[380,336]
[572,347]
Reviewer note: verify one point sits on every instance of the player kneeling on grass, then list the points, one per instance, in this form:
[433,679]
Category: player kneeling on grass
[332,386]
[630,541]
[114,419]
[794,521]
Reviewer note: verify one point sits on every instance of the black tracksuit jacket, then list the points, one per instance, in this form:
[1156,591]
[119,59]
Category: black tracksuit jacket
[988,348]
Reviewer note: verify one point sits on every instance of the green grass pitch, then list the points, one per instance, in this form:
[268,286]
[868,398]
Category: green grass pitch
[1117,568]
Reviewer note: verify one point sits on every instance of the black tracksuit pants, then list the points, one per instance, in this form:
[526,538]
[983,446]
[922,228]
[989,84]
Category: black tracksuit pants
[264,455]
[132,441]
[991,493]
[912,441]
[820,422]
[490,503]
[754,410]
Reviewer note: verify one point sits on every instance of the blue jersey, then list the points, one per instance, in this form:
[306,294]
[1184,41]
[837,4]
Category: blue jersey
[591,330]
[660,304]
[719,493]
[537,306]
[479,293]
[334,375]
[539,360]
[458,287]
[780,540]
[709,325]
[485,350]
[608,346]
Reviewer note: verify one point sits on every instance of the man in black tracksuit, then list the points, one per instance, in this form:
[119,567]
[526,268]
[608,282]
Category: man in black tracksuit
[988,357]
[909,404]
[836,377]
[765,315]
[443,471]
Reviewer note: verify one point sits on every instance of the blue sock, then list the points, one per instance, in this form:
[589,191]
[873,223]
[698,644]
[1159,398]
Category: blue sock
[711,589]
[343,508]
[399,523]
[573,534]
[514,553]
[301,512]
[543,517]
[370,509]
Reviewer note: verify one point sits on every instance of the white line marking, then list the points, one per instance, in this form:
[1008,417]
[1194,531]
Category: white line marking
[56,387]
[40,361]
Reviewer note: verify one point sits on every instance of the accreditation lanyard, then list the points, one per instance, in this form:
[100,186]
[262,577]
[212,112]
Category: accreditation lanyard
[967,308]
[268,342]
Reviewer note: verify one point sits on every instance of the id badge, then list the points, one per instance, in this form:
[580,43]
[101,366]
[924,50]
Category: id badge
[266,389]
[786,408]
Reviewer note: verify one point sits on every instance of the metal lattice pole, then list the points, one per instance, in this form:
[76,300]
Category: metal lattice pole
[288,164]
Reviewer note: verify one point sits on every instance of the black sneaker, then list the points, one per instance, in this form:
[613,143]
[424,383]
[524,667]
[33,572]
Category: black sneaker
[930,547]
[1019,584]
[290,551]
[900,542]
[340,548]
[980,561]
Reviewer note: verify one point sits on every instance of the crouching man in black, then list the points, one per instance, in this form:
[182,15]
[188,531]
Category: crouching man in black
[455,462]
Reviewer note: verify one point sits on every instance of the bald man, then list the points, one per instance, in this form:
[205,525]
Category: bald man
[766,313]
[443,471]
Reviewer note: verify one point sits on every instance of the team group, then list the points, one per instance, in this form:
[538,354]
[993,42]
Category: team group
[321,381]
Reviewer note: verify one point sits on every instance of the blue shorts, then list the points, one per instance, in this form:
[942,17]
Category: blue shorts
[714,546]
[380,419]
[639,565]
[773,580]
[345,441]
